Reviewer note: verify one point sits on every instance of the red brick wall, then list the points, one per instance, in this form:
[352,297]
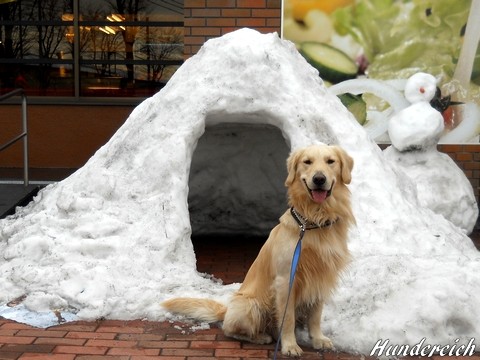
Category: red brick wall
[467,158]
[206,19]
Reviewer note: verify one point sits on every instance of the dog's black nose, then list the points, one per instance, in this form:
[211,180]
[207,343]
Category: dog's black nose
[319,179]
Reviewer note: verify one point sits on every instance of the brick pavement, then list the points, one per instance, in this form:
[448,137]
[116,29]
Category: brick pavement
[131,340]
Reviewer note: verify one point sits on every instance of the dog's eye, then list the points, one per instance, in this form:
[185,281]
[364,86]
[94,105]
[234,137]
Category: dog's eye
[330,161]
[307,162]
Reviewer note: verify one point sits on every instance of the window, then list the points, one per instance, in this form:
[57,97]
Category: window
[89,48]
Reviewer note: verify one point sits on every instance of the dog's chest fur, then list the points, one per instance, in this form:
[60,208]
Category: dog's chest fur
[321,262]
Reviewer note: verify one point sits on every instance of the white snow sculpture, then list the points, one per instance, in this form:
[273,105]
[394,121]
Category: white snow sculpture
[113,239]
[418,126]
[441,184]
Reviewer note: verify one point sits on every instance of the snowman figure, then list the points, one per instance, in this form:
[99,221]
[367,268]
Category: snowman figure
[419,126]
[414,133]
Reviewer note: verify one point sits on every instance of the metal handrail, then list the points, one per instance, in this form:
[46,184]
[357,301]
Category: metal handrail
[24,133]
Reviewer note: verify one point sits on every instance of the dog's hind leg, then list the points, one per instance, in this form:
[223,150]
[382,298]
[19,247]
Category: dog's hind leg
[244,321]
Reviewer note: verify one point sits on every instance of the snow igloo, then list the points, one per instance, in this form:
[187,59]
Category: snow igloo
[114,239]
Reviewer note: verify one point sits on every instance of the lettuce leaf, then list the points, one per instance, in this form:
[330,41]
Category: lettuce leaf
[401,38]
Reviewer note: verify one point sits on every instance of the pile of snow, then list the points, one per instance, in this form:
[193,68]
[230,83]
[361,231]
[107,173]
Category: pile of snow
[441,185]
[113,239]
[415,131]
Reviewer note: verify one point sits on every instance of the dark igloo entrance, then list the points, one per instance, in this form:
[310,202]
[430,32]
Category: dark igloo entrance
[236,195]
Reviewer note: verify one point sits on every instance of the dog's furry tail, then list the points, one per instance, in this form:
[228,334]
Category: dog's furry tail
[200,309]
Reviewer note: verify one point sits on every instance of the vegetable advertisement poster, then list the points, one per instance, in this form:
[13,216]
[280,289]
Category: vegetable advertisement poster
[365,50]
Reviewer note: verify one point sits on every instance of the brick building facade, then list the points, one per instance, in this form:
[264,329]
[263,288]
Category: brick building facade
[205,19]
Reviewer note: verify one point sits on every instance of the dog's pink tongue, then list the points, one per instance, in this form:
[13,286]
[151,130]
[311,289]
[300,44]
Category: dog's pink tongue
[319,196]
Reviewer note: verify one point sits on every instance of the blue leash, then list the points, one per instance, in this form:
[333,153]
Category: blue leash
[293,270]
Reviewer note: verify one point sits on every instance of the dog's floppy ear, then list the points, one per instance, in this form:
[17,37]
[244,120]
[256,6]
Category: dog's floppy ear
[292,163]
[347,164]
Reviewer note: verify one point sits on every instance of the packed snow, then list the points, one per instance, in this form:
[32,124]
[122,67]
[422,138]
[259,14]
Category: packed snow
[113,239]
[415,131]
[418,126]
[441,185]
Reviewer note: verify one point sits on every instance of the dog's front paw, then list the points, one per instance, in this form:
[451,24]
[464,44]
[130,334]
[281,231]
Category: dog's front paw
[292,350]
[322,342]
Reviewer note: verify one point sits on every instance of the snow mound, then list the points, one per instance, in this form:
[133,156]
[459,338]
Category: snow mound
[441,185]
[415,131]
[113,239]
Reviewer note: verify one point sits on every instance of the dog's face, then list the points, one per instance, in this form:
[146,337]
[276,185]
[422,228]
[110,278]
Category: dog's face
[317,169]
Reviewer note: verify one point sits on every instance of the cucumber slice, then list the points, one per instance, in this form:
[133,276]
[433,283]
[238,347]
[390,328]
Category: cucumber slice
[356,105]
[332,64]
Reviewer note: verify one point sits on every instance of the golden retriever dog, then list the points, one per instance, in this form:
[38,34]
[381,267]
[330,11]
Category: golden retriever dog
[320,202]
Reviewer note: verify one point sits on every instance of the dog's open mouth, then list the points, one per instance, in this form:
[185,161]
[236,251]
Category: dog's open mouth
[319,195]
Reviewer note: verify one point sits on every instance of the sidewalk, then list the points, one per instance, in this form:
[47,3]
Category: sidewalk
[134,340]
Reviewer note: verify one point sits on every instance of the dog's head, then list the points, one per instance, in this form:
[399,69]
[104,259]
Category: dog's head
[316,170]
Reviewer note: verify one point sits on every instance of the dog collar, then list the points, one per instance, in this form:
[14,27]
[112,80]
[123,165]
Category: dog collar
[305,224]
